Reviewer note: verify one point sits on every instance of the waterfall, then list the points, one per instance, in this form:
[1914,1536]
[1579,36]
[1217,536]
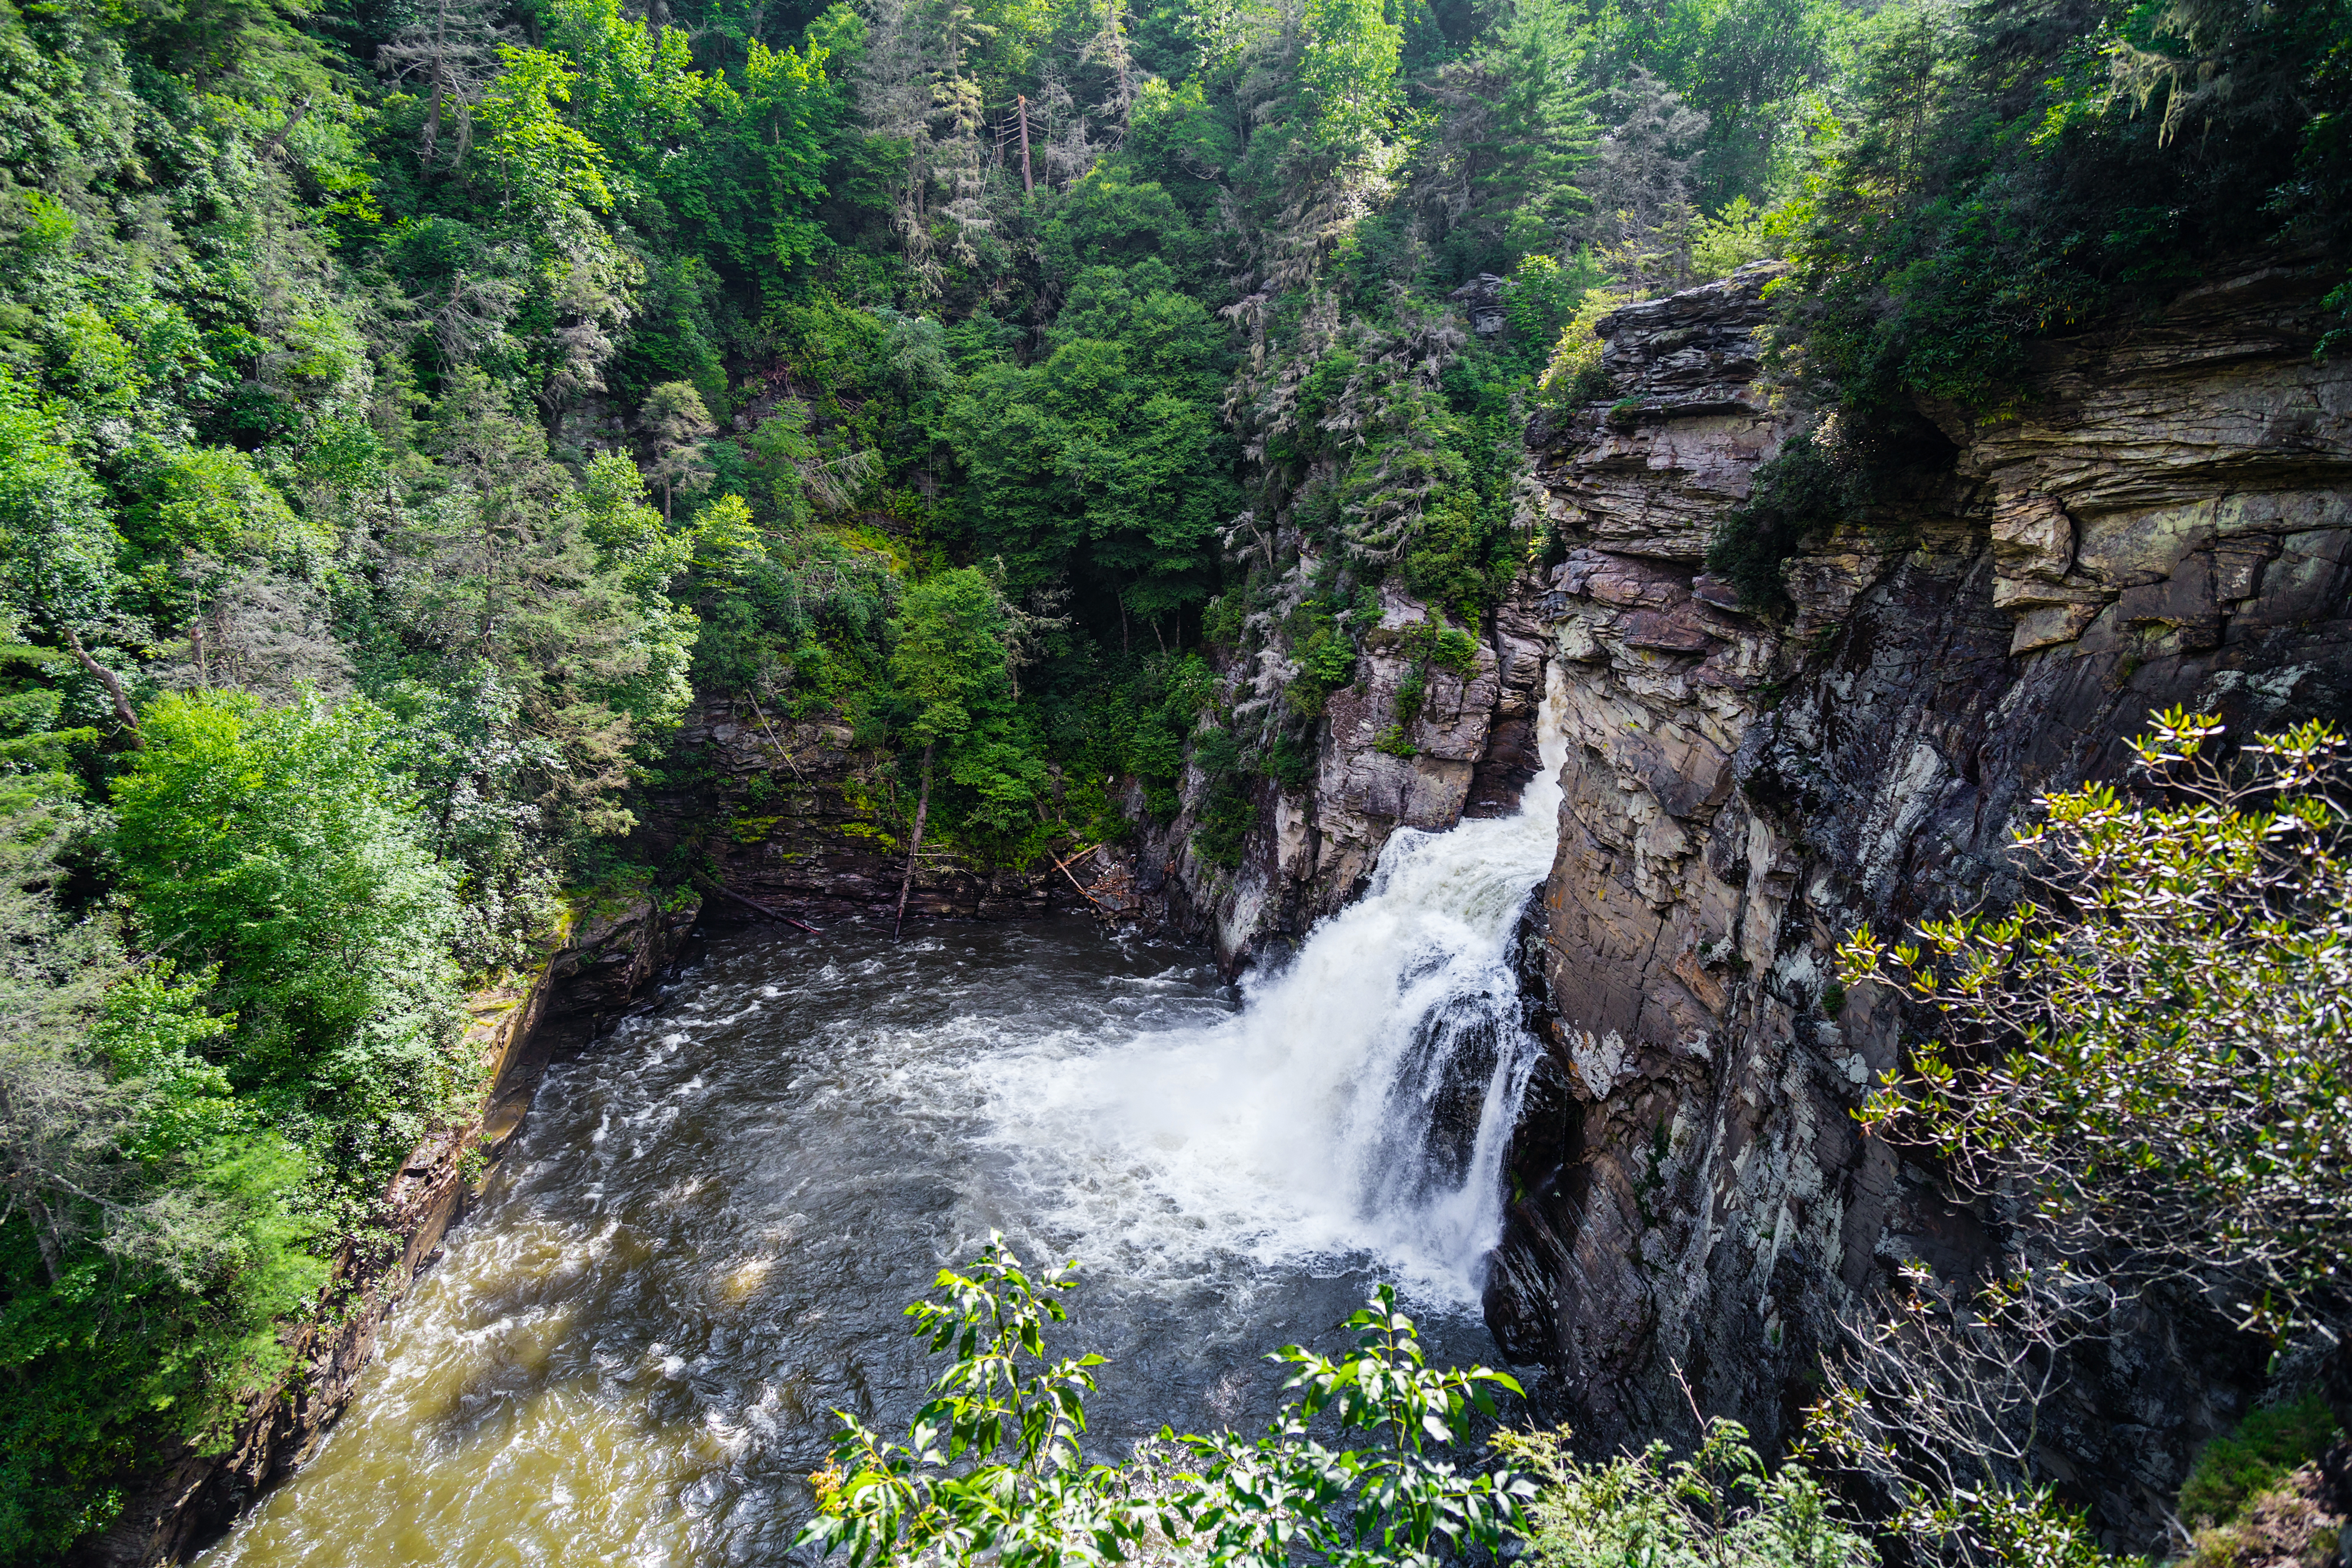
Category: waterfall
[1357,1106]
[702,1242]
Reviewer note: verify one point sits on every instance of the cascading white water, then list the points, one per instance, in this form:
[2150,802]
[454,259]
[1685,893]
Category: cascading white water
[701,1244]
[1358,1103]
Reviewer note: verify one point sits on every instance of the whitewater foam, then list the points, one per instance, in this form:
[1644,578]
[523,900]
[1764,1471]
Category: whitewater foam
[1358,1105]
[703,1241]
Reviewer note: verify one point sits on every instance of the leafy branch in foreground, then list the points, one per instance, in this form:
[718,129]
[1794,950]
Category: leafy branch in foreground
[2144,1070]
[1719,1506]
[886,1502]
[990,1464]
[2152,1060]
[1395,1502]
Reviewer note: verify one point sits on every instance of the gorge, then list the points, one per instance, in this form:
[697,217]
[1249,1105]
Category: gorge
[663,660]
[699,1247]
[1581,1013]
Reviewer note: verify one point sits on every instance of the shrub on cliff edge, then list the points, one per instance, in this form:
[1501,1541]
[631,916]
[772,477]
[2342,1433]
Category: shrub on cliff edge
[2143,1067]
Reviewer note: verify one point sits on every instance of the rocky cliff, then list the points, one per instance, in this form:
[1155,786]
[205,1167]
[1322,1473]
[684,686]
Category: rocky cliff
[612,942]
[792,815]
[1380,763]
[2167,520]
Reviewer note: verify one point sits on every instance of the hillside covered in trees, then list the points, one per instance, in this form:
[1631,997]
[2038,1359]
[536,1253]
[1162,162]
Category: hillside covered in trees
[406,406]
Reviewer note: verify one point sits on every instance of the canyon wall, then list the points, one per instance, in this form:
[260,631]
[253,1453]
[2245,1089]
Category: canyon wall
[610,943]
[1467,751]
[797,816]
[792,815]
[2167,520]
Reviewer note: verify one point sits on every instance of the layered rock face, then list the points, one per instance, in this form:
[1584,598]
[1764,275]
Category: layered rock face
[1380,764]
[793,819]
[2168,521]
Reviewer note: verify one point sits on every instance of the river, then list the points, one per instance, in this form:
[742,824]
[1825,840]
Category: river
[701,1243]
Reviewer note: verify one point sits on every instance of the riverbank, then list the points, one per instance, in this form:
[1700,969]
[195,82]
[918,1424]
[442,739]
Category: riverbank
[610,944]
[703,1242]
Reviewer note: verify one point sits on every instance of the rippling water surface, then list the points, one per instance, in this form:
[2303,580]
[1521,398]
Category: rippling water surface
[702,1241]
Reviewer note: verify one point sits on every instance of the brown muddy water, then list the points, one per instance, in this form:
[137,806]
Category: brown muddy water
[702,1242]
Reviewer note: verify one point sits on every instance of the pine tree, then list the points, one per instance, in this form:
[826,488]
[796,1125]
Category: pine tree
[1640,184]
[453,50]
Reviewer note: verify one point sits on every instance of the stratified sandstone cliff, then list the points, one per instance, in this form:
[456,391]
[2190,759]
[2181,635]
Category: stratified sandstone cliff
[2168,521]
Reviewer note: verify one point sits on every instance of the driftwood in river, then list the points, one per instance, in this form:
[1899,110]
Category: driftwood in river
[754,905]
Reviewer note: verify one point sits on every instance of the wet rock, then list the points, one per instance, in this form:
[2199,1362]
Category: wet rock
[1467,751]
[793,815]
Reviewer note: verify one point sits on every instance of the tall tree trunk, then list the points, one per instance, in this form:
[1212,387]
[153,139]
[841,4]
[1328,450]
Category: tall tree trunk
[45,1232]
[1028,186]
[489,589]
[922,809]
[23,1169]
[270,148]
[106,678]
[440,46]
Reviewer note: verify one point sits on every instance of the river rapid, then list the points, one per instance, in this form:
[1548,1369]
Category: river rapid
[702,1242]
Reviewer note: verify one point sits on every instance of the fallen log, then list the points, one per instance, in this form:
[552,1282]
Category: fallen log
[754,905]
[1063,867]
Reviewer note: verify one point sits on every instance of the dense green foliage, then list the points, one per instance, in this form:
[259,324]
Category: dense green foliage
[1371,1464]
[157,1222]
[2012,170]
[990,1469]
[1721,1503]
[2252,1455]
[405,410]
[274,847]
[2147,1058]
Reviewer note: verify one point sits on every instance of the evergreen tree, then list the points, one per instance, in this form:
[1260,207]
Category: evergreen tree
[948,662]
[453,51]
[1640,184]
[680,426]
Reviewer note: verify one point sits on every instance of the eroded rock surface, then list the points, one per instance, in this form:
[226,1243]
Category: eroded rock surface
[1468,751]
[793,815]
[2169,521]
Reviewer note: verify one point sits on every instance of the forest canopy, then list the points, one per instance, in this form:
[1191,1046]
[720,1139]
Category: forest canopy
[408,406]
